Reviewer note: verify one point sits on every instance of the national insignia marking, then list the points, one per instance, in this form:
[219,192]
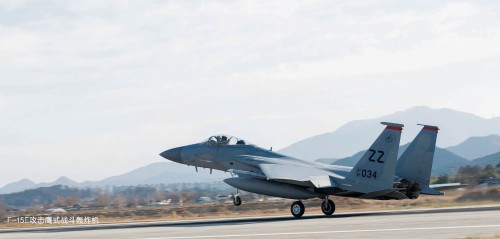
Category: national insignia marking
[388,138]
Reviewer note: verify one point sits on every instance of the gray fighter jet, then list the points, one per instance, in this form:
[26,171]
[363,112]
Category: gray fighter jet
[377,175]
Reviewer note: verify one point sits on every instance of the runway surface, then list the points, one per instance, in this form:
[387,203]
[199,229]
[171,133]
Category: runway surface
[460,222]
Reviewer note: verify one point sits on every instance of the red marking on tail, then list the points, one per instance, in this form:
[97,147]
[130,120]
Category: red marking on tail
[431,128]
[394,128]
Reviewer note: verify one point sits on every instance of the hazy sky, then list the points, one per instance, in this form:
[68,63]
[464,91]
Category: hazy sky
[90,89]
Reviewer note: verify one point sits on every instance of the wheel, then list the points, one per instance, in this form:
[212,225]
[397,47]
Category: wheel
[328,207]
[297,209]
[237,200]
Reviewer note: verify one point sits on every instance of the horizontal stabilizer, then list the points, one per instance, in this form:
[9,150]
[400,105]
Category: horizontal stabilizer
[447,186]
[380,193]
[431,191]
[434,188]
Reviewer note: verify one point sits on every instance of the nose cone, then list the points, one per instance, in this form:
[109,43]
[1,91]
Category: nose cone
[173,154]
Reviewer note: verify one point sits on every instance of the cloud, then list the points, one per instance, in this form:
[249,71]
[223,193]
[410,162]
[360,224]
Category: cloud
[103,82]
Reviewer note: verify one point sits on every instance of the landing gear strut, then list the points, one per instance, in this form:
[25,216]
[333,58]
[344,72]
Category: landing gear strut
[297,209]
[328,207]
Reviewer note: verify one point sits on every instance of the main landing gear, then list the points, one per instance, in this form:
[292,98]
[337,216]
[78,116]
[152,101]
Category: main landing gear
[298,208]
[328,207]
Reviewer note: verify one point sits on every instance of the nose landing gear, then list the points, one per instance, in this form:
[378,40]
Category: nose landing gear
[237,200]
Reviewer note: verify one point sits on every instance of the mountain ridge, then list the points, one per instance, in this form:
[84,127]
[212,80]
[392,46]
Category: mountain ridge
[155,173]
[476,147]
[359,134]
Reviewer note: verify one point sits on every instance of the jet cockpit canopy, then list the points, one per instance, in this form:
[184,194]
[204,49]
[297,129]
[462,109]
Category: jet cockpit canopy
[224,140]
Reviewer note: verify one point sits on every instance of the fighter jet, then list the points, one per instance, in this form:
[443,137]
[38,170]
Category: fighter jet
[263,171]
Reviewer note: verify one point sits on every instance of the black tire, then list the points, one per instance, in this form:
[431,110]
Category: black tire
[328,207]
[297,209]
[237,200]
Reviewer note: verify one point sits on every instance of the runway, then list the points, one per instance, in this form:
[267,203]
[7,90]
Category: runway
[460,222]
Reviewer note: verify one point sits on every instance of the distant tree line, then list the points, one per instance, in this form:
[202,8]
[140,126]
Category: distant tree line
[43,196]
[3,209]
[471,175]
[114,197]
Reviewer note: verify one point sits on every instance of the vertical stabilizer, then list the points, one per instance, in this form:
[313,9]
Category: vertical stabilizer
[376,169]
[415,163]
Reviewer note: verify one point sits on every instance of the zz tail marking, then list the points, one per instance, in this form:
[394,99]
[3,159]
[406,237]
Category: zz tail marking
[378,160]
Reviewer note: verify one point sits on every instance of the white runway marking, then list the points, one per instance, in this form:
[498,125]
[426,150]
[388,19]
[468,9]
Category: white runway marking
[327,232]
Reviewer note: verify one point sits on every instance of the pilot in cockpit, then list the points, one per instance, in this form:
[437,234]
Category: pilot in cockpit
[240,142]
[213,141]
[224,140]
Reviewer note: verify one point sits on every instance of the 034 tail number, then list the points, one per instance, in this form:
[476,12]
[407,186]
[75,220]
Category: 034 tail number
[366,173]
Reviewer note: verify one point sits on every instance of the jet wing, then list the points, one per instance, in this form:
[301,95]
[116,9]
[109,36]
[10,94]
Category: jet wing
[292,172]
[298,174]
